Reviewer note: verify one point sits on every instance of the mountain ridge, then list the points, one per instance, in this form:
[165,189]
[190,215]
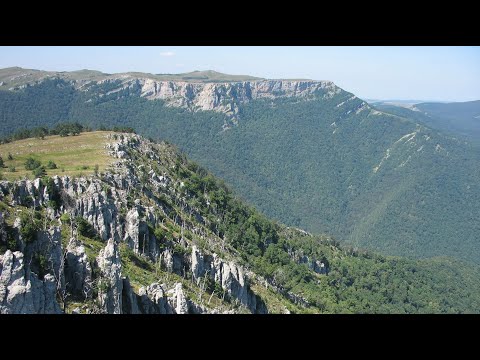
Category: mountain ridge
[194,91]
[10,74]
[309,154]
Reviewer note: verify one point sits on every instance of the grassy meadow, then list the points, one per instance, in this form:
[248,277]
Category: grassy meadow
[73,155]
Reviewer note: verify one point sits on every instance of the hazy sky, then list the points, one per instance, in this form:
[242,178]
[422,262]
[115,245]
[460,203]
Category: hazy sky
[418,73]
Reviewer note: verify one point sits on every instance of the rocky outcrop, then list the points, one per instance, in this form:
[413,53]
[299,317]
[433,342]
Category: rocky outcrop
[229,275]
[110,285]
[49,244]
[180,300]
[27,192]
[129,299]
[223,97]
[137,233]
[78,271]
[90,200]
[198,263]
[232,279]
[21,292]
[313,264]
[172,262]
[153,300]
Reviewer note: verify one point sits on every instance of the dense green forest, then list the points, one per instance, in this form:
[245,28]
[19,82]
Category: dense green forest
[357,281]
[373,180]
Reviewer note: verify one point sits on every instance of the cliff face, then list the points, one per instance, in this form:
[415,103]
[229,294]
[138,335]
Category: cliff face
[218,95]
[226,97]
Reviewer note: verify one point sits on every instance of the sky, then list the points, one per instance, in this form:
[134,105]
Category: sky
[385,73]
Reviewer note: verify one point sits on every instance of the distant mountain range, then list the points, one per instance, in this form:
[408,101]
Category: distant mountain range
[456,118]
[305,152]
[16,77]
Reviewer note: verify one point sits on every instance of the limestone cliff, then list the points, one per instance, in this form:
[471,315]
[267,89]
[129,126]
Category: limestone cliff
[220,92]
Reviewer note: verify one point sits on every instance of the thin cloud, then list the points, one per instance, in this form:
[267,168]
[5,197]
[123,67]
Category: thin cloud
[167,53]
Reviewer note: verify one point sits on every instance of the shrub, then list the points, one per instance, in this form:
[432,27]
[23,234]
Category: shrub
[11,168]
[11,238]
[29,226]
[65,218]
[54,195]
[32,164]
[39,172]
[51,165]
[10,156]
[84,228]
[159,233]
[180,250]
[2,164]
[40,261]
[103,286]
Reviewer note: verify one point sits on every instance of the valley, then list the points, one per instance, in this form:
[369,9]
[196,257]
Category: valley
[304,152]
[154,233]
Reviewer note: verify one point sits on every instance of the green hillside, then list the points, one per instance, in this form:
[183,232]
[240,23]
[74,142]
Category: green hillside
[72,155]
[372,179]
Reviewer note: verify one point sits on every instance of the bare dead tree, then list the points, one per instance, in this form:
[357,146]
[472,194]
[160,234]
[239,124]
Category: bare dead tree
[158,264]
[45,222]
[61,290]
[86,290]
[71,225]
[203,287]
[210,299]
[144,240]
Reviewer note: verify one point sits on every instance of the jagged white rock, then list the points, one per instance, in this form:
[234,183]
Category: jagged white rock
[110,289]
[78,273]
[21,292]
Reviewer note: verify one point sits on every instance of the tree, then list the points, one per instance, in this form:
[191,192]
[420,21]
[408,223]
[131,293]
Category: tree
[29,225]
[76,129]
[32,164]
[51,165]
[40,132]
[63,132]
